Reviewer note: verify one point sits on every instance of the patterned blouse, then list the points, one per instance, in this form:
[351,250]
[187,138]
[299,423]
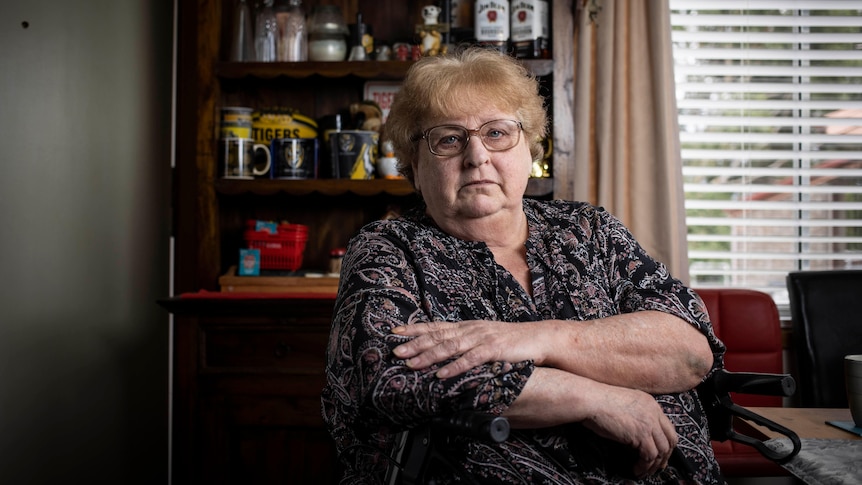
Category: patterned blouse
[584,265]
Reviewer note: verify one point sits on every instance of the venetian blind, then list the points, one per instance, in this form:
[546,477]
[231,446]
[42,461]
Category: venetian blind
[769,94]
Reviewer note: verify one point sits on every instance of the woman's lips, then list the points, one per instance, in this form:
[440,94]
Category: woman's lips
[478,182]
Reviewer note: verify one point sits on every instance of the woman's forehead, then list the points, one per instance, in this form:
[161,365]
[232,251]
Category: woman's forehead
[471,111]
[466,99]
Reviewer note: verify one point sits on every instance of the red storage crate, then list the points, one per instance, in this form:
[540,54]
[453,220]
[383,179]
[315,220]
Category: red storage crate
[282,250]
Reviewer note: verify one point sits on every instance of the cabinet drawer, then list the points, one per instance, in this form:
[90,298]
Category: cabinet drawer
[267,349]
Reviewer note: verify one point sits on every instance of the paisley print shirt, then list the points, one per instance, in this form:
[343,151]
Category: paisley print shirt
[584,265]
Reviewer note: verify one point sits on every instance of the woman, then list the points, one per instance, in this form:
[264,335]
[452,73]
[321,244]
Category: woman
[548,313]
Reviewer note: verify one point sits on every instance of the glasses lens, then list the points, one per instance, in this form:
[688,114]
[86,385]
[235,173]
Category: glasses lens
[451,140]
[447,140]
[500,134]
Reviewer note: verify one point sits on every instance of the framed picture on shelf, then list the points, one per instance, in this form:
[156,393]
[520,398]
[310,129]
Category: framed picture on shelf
[382,93]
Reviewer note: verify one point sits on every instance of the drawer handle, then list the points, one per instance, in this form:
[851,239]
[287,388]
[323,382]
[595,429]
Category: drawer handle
[281,349]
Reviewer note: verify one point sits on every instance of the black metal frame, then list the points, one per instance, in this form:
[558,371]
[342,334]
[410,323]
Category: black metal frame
[424,448]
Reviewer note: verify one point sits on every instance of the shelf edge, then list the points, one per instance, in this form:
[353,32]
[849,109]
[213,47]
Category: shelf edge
[536,187]
[363,69]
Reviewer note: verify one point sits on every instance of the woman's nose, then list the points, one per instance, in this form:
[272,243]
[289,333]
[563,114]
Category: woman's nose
[476,154]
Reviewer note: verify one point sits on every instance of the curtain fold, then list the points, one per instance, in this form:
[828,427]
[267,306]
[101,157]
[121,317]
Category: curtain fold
[627,154]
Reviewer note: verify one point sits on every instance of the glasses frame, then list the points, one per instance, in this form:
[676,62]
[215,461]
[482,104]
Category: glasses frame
[471,134]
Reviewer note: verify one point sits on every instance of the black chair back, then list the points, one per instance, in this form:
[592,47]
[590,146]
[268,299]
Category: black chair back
[826,307]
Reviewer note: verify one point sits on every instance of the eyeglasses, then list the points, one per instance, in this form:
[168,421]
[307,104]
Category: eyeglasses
[451,140]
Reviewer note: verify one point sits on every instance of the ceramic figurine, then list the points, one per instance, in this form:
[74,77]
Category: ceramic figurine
[431,31]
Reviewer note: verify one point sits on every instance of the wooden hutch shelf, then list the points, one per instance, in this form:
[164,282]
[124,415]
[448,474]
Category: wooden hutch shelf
[361,69]
[536,187]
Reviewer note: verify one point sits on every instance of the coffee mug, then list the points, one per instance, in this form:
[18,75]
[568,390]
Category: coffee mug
[853,378]
[237,158]
[236,113]
[354,153]
[235,129]
[293,158]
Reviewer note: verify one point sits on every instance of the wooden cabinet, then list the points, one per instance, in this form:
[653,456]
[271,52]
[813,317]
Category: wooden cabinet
[246,395]
[248,372]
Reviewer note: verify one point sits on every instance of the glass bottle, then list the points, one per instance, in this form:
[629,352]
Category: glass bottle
[327,34]
[266,33]
[492,24]
[461,21]
[292,34]
[529,32]
[242,34]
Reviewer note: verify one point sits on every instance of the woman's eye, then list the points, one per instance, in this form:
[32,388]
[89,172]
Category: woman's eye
[449,140]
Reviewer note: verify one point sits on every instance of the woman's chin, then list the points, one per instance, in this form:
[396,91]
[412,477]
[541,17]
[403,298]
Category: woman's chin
[482,206]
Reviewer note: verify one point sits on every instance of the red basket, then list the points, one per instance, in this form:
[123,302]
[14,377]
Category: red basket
[282,250]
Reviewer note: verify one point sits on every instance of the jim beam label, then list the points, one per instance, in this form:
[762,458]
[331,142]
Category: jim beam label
[492,23]
[530,32]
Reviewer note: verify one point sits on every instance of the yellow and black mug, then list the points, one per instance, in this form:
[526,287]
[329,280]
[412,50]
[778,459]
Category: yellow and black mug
[354,153]
[237,158]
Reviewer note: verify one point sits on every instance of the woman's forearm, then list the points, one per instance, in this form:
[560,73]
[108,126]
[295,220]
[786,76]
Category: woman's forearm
[652,351]
[628,416]
[551,397]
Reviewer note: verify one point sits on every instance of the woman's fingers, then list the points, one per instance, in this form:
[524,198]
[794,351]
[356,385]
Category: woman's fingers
[433,342]
[470,343]
[656,448]
[636,419]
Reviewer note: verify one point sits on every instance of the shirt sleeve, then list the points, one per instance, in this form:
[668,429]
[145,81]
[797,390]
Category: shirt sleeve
[642,283]
[381,288]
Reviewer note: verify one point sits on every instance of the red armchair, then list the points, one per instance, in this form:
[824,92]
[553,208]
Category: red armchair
[747,322]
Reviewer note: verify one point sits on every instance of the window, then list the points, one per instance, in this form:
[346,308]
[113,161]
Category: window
[770,111]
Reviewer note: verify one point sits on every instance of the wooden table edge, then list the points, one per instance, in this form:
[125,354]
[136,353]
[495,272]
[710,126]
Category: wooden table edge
[806,422]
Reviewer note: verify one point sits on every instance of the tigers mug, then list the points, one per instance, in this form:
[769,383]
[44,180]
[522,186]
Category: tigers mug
[293,158]
[354,153]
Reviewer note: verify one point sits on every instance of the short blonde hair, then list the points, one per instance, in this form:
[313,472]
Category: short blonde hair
[442,86]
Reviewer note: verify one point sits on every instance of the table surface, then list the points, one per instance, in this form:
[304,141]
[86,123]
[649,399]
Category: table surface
[806,422]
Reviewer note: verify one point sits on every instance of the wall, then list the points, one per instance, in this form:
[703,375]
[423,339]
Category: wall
[85,99]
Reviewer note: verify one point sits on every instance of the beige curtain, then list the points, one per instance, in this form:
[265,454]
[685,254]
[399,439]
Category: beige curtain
[626,131]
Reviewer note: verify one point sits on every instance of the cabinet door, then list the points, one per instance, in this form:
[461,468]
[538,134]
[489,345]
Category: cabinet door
[246,397]
[259,411]
[273,437]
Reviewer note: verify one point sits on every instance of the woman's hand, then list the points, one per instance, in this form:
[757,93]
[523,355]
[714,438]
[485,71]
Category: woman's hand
[634,418]
[473,342]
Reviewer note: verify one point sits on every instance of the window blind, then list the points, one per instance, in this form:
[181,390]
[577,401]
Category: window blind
[769,94]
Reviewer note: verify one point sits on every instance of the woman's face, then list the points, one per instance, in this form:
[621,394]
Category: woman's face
[478,182]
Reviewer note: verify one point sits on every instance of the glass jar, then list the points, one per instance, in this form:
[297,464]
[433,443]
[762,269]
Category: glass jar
[327,34]
[336,256]
[292,33]
[242,35]
[265,33]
